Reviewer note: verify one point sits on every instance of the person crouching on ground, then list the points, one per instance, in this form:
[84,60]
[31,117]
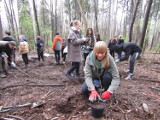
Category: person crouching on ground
[24,50]
[6,52]
[130,49]
[101,73]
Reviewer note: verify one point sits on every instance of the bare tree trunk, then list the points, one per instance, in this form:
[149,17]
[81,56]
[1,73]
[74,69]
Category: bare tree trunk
[132,22]
[96,14]
[10,17]
[14,17]
[36,18]
[52,19]
[56,22]
[145,23]
[1,29]
[83,16]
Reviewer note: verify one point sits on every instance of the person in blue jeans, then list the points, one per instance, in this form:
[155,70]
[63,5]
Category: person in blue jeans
[101,74]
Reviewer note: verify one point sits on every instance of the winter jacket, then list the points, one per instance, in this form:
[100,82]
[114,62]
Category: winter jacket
[8,38]
[23,47]
[88,47]
[91,73]
[39,44]
[4,47]
[57,43]
[129,48]
[74,46]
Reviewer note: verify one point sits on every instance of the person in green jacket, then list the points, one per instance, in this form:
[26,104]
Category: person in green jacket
[101,73]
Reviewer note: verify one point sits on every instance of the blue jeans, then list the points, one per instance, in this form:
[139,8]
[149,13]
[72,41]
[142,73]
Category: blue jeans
[106,82]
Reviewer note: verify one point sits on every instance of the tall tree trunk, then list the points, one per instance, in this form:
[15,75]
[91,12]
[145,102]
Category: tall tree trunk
[10,17]
[1,29]
[36,17]
[132,22]
[83,16]
[96,14]
[52,19]
[56,17]
[145,23]
[16,26]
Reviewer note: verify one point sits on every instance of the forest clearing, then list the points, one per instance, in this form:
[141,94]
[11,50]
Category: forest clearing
[60,99]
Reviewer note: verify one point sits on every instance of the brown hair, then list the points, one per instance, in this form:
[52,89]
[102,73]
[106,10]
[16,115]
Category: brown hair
[101,47]
[92,36]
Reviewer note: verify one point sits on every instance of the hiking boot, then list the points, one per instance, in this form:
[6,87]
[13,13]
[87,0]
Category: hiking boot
[129,77]
[68,76]
[2,75]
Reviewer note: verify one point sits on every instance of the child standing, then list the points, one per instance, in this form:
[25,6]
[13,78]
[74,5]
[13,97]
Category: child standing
[24,49]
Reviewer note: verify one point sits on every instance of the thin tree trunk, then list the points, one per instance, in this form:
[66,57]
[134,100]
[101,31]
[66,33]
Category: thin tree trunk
[132,22]
[83,16]
[145,23]
[16,26]
[1,29]
[56,24]
[52,19]
[36,18]
[96,14]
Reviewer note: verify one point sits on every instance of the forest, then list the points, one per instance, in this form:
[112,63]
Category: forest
[42,91]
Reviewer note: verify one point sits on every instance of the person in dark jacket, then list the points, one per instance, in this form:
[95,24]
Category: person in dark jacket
[120,41]
[111,43]
[6,48]
[98,38]
[40,48]
[8,37]
[130,49]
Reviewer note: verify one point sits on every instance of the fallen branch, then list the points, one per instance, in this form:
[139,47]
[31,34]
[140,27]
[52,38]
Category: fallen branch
[154,88]
[50,85]
[148,80]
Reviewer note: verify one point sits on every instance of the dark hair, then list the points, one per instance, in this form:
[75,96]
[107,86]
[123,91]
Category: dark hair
[57,33]
[8,32]
[38,37]
[92,36]
[98,38]
[71,24]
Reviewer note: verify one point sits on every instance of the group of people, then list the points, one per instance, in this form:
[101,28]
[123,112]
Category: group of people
[100,69]
[7,52]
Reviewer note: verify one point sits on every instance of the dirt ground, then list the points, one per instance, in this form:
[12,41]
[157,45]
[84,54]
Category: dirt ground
[58,98]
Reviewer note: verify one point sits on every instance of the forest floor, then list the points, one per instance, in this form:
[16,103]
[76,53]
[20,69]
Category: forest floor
[57,98]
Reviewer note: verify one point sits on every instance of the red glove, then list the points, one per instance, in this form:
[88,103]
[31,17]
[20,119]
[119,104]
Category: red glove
[106,95]
[93,96]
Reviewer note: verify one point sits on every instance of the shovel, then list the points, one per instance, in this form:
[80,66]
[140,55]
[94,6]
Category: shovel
[32,105]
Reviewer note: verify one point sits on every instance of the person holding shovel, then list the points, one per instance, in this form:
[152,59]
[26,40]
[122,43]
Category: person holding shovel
[6,48]
[101,73]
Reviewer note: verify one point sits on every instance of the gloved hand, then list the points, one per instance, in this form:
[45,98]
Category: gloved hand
[117,61]
[4,55]
[93,96]
[106,95]
[13,64]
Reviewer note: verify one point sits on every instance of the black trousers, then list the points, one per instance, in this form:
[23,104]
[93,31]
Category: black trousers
[40,54]
[25,59]
[106,80]
[63,54]
[57,55]
[75,66]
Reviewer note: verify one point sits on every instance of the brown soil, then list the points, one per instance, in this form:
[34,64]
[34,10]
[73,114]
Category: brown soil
[61,98]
